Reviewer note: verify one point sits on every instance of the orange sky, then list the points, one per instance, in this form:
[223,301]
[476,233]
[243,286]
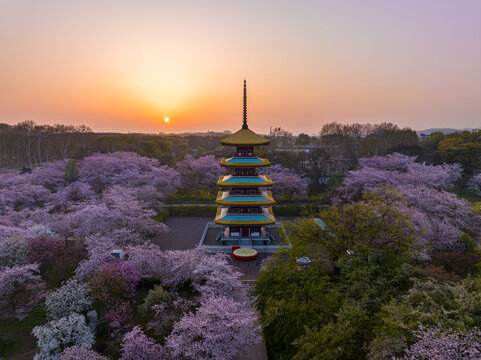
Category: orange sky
[125,65]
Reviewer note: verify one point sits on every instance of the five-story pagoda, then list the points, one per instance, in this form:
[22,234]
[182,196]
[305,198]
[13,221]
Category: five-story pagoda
[245,200]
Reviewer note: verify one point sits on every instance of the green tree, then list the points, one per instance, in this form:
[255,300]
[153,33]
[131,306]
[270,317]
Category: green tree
[290,301]
[429,303]
[302,139]
[71,171]
[373,223]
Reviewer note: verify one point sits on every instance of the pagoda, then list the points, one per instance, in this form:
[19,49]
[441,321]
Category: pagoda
[245,200]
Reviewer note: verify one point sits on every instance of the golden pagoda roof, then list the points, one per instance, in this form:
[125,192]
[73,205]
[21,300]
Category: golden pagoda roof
[259,180]
[226,198]
[245,161]
[226,218]
[245,136]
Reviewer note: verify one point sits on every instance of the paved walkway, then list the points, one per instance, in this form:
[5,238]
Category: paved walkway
[185,233]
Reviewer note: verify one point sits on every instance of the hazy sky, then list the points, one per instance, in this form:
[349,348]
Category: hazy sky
[125,65]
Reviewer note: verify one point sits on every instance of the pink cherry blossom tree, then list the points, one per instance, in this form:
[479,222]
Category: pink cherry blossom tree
[21,286]
[286,182]
[99,253]
[199,173]
[128,169]
[438,344]
[439,215]
[211,275]
[42,250]
[219,330]
[137,346]
[115,280]
[148,258]
[395,170]
[80,353]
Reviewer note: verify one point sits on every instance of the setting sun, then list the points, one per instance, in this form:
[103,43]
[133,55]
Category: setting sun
[166,120]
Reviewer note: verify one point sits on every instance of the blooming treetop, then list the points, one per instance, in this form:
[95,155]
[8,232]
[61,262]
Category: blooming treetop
[80,353]
[58,334]
[436,344]
[219,330]
[137,346]
[71,297]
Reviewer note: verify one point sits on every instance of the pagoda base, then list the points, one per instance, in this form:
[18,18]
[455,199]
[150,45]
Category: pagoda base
[214,242]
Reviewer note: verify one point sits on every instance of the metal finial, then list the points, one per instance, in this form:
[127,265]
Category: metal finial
[244,125]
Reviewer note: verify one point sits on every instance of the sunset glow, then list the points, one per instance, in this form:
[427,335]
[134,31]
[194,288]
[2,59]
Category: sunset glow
[119,66]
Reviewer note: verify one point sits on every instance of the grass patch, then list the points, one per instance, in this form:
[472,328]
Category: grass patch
[16,336]
[199,211]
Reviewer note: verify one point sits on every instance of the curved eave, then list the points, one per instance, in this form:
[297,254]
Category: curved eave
[224,198]
[225,180]
[266,218]
[228,162]
[245,137]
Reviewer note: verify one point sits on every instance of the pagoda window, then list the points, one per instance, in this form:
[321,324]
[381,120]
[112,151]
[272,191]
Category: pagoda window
[252,192]
[235,231]
[235,210]
[253,210]
[237,191]
[255,231]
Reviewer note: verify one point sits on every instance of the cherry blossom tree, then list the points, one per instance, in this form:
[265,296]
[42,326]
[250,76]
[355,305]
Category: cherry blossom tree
[80,353]
[210,274]
[64,332]
[137,346]
[13,251]
[41,250]
[49,175]
[115,280]
[128,169]
[437,344]
[199,173]
[74,193]
[441,215]
[395,170]
[219,330]
[148,258]
[71,297]
[21,286]
[99,252]
[118,215]
[286,182]
[22,195]
[118,315]
[7,231]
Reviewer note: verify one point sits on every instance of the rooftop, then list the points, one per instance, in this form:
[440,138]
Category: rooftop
[245,137]
[224,197]
[223,217]
[229,180]
[240,161]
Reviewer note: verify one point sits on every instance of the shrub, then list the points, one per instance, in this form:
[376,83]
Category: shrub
[157,295]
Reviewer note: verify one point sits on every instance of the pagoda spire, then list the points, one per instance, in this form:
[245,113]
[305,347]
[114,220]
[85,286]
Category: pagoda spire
[244,125]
